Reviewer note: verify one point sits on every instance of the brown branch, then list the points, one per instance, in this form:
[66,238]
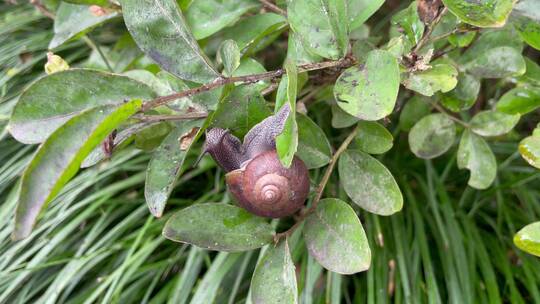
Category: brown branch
[342,63]
[271,6]
[321,186]
[40,7]
[427,33]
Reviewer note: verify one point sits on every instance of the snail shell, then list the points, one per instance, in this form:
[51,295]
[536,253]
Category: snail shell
[265,188]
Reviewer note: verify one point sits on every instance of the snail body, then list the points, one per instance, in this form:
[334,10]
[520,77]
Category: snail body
[255,176]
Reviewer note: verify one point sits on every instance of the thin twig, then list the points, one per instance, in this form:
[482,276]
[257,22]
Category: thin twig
[342,63]
[157,118]
[427,33]
[40,7]
[321,186]
[94,46]
[271,6]
[443,111]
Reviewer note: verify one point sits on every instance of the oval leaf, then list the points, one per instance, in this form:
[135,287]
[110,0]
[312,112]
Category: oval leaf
[497,62]
[229,55]
[58,159]
[287,141]
[373,138]
[369,184]
[529,148]
[369,92]
[464,95]
[52,100]
[336,239]
[440,77]
[528,239]
[482,13]
[413,111]
[474,154]
[432,136]
[274,279]
[313,146]
[159,29]
[520,100]
[493,123]
[217,226]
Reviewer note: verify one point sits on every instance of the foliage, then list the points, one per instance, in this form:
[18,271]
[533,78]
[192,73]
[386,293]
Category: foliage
[469,95]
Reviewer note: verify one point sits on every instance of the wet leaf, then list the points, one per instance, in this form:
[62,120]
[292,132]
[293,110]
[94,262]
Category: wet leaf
[482,13]
[72,20]
[313,146]
[521,100]
[160,30]
[274,279]
[432,136]
[336,239]
[528,239]
[493,123]
[464,95]
[529,148]
[369,92]
[218,226]
[373,138]
[475,155]
[440,77]
[369,184]
[52,100]
[164,167]
[58,159]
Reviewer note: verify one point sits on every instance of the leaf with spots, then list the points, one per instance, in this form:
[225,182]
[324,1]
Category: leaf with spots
[475,155]
[432,136]
[493,123]
[481,13]
[440,77]
[313,146]
[372,138]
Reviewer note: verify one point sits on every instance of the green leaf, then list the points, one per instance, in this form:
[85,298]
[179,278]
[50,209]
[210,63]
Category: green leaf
[218,226]
[498,62]
[164,167]
[313,146]
[287,141]
[336,239]
[229,56]
[150,138]
[342,119]
[298,53]
[440,77]
[526,18]
[521,100]
[413,111]
[369,92]
[432,136]
[529,148]
[320,27]
[274,279]
[74,20]
[475,155]
[160,30]
[373,138]
[481,13]
[532,74]
[493,123]
[52,100]
[250,31]
[410,22]
[369,184]
[490,40]
[360,11]
[58,159]
[464,95]
[208,17]
[88,2]
[528,239]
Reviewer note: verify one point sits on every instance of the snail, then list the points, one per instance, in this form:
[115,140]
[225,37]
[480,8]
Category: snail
[255,176]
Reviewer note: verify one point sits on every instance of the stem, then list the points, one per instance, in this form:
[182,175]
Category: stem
[271,6]
[427,34]
[443,111]
[322,185]
[96,48]
[341,63]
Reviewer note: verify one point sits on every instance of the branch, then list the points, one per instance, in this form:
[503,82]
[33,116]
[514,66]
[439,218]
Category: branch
[322,185]
[271,6]
[247,79]
[427,34]
[443,111]
[158,118]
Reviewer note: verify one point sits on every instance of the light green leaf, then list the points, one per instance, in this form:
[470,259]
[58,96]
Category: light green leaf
[342,119]
[252,31]
[369,184]
[165,166]
[372,138]
[58,159]
[532,74]
[526,19]
[440,77]
[414,109]
[208,17]
[218,226]
[73,20]
[464,95]
[521,100]
[360,11]
[498,62]
[529,148]
[52,100]
[493,123]
[298,53]
[481,13]
[159,29]
[287,141]
[336,239]
[229,56]
[475,155]
[528,239]
[432,136]
[369,92]
[313,146]
[274,279]
[320,27]
[410,22]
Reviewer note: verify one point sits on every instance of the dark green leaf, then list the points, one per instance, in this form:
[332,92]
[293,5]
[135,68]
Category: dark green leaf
[475,155]
[464,95]
[161,32]
[373,138]
[493,123]
[287,141]
[414,109]
[58,159]
[529,148]
[369,184]
[521,100]
[528,239]
[432,136]
[481,13]
[150,138]
[440,77]
[218,226]
[336,239]
[313,146]
[369,92]
[52,100]
[274,279]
